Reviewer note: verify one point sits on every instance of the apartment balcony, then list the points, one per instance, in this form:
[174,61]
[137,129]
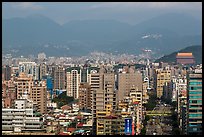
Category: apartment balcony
[19,113]
[7,117]
[34,122]
[6,122]
[7,114]
[33,126]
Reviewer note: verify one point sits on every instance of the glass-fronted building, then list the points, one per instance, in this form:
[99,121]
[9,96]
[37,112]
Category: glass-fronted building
[194,105]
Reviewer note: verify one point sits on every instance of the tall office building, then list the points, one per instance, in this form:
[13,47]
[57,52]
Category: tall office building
[73,81]
[59,78]
[126,79]
[194,104]
[162,76]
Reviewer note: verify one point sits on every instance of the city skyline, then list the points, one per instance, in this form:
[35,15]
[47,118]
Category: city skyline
[102,68]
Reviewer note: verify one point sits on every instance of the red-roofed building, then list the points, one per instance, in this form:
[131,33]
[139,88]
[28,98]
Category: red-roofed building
[71,129]
[79,117]
[61,133]
[185,58]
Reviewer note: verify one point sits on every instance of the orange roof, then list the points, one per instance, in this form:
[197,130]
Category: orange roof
[70,129]
[184,54]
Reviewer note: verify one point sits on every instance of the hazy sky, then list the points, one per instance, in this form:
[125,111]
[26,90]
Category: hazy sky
[130,12]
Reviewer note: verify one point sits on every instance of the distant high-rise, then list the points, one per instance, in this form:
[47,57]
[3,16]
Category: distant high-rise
[43,70]
[185,58]
[194,103]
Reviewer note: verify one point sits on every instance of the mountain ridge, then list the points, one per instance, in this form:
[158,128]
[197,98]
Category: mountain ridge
[88,35]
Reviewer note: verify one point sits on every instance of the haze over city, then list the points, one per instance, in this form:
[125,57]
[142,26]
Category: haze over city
[102,68]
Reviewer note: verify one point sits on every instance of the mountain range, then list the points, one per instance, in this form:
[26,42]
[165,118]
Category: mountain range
[162,34]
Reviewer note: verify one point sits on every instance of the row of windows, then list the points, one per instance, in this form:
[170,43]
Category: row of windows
[195,88]
[195,101]
[195,92]
[193,110]
[195,83]
[192,97]
[194,115]
[195,106]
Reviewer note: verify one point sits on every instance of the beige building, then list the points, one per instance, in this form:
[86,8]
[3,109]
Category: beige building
[39,95]
[162,76]
[85,96]
[109,123]
[29,89]
[126,79]
[24,86]
[136,99]
[145,96]
[103,92]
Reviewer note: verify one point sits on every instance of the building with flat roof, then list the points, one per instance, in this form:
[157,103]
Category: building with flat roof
[21,118]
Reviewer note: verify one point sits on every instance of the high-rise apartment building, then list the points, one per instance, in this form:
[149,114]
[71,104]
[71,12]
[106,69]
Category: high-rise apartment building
[33,90]
[59,78]
[126,79]
[137,113]
[194,103]
[39,95]
[24,86]
[73,81]
[85,96]
[103,91]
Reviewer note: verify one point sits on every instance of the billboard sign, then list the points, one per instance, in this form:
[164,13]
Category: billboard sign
[128,126]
